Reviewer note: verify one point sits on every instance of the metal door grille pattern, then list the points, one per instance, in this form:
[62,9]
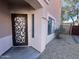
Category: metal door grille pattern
[20,29]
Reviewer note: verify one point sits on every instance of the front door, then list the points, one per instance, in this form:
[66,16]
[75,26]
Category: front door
[19,29]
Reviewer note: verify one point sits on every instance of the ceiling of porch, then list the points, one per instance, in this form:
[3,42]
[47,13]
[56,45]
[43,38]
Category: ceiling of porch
[23,4]
[19,4]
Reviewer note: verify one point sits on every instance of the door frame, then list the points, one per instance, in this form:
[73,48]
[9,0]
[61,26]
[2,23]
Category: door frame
[13,29]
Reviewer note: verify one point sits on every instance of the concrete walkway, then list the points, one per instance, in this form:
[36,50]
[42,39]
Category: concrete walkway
[20,53]
[64,48]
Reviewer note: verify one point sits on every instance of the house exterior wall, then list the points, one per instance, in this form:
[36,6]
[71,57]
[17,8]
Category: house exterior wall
[5,21]
[54,9]
[5,28]
[41,25]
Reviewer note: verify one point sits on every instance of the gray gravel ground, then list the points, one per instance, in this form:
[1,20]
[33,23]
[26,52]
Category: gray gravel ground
[64,48]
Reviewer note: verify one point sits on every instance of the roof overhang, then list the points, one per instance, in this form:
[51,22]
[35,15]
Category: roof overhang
[34,3]
[24,4]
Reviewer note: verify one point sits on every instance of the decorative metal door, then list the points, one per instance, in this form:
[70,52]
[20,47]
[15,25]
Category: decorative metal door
[19,28]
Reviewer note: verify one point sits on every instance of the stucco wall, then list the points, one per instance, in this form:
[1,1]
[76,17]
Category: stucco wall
[54,9]
[5,28]
[41,24]
[5,21]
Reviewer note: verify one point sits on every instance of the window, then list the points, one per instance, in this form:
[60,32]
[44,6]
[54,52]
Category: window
[51,24]
[33,25]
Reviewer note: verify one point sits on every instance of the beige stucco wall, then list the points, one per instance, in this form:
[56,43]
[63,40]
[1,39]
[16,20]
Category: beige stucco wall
[54,9]
[5,21]
[5,28]
[39,41]
[41,25]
